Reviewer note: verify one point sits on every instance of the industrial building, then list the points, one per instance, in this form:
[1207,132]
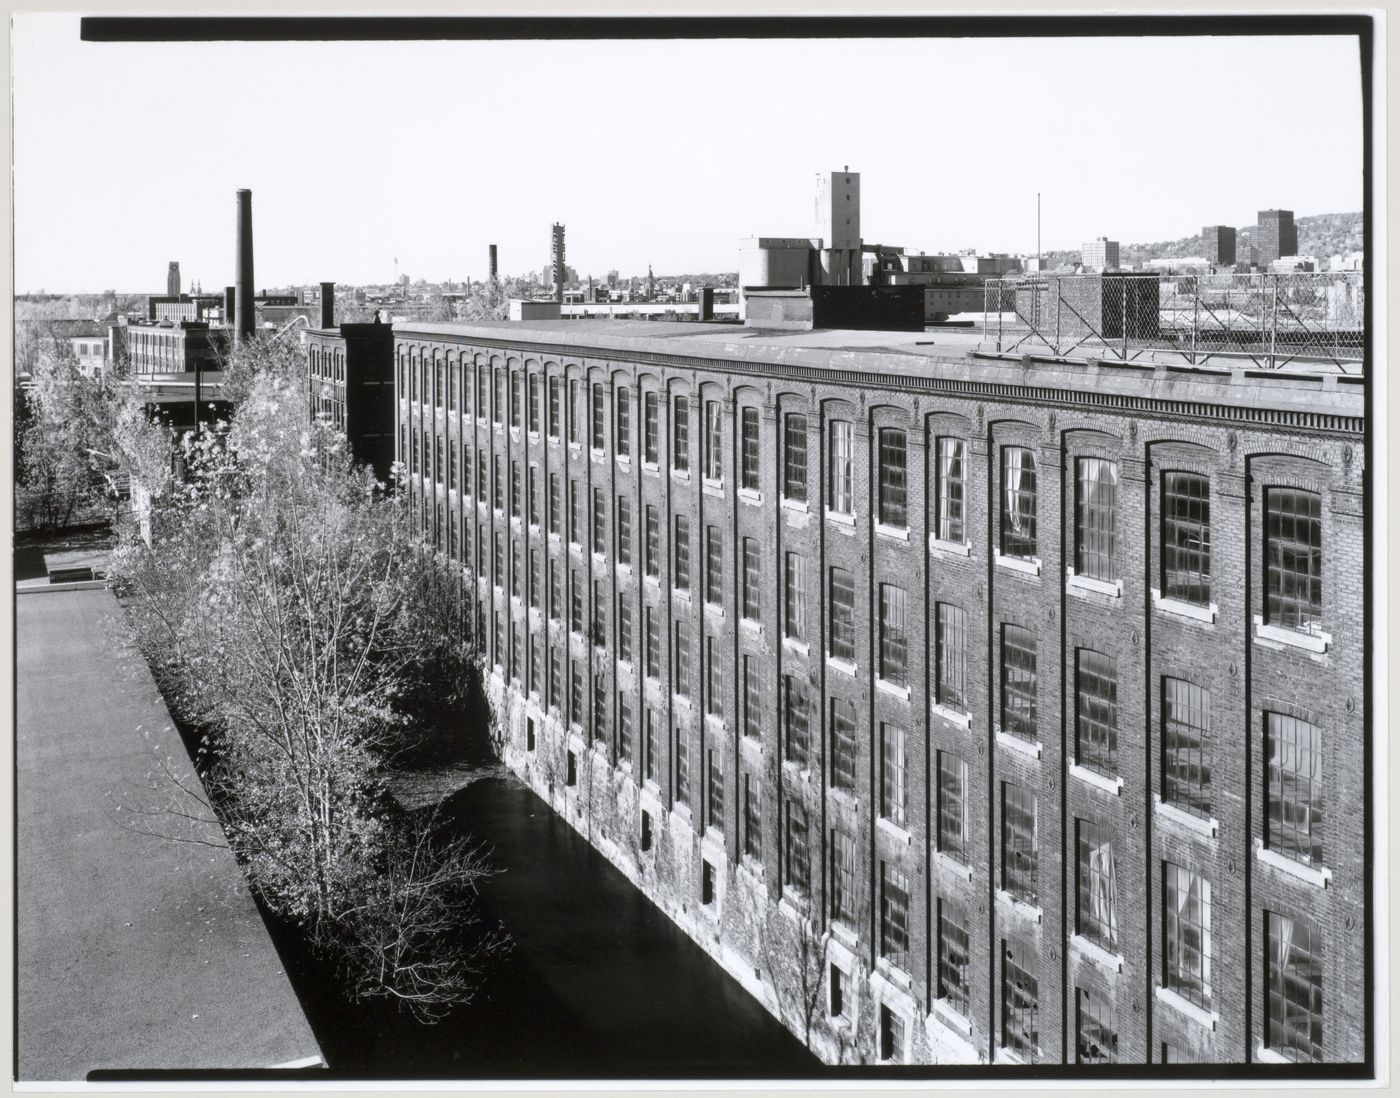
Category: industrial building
[968,708]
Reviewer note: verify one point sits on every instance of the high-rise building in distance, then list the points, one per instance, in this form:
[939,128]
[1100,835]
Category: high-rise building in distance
[1219,245]
[1100,254]
[1276,236]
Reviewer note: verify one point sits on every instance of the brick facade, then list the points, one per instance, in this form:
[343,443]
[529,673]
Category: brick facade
[1115,973]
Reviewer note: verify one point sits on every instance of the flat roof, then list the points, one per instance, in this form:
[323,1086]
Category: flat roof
[958,353]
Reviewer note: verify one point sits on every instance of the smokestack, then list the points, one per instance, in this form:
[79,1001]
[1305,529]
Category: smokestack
[491,264]
[245,318]
[557,256]
[327,304]
[228,306]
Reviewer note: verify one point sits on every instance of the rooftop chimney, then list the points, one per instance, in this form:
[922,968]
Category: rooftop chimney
[245,319]
[327,304]
[491,264]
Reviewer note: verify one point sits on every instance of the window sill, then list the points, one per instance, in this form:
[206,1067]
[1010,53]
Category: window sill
[847,522]
[1267,1055]
[714,721]
[1275,637]
[893,533]
[1025,910]
[793,904]
[681,702]
[1097,780]
[1020,746]
[574,447]
[887,687]
[654,582]
[950,864]
[624,462]
[798,770]
[1178,609]
[754,627]
[681,476]
[1029,567]
[1087,585]
[651,467]
[680,816]
[949,548]
[681,593]
[797,505]
[624,667]
[712,487]
[951,1017]
[1319,876]
[894,831]
[552,440]
[1109,962]
[624,571]
[1182,1005]
[1207,828]
[752,496]
[844,798]
[844,939]
[844,666]
[952,716]
[714,610]
[598,454]
[797,647]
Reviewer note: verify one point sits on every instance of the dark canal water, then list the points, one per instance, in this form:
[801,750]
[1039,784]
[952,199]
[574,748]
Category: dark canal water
[599,984]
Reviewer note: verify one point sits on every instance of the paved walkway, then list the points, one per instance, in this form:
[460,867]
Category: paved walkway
[135,952]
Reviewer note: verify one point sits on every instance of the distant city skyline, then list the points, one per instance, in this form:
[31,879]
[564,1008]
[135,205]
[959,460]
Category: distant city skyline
[665,153]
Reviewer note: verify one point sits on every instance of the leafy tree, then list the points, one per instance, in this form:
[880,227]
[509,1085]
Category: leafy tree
[293,613]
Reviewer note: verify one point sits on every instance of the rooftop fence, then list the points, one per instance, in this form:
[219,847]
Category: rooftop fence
[1269,320]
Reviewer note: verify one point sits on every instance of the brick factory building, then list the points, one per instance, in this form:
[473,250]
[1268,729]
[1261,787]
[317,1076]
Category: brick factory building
[350,382]
[175,347]
[1034,687]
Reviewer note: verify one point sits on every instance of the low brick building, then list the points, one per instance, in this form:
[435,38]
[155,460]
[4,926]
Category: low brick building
[967,708]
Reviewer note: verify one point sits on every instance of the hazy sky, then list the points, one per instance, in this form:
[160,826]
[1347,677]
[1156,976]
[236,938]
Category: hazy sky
[668,152]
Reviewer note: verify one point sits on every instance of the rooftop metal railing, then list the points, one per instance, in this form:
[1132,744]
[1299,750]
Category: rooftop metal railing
[1270,320]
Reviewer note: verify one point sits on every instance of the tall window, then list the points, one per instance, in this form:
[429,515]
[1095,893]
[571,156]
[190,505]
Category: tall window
[500,486]
[553,423]
[1018,502]
[894,915]
[894,635]
[681,578]
[795,597]
[748,449]
[452,470]
[600,710]
[843,615]
[515,398]
[1096,502]
[841,487]
[600,523]
[796,871]
[893,478]
[624,530]
[650,430]
[795,719]
[751,601]
[499,403]
[714,454]
[753,701]
[575,403]
[1186,537]
[952,806]
[1096,885]
[1019,853]
[624,628]
[533,503]
[714,682]
[951,492]
[481,474]
[682,751]
[1096,1029]
[652,749]
[682,659]
[1293,810]
[454,383]
[1020,1002]
[1096,711]
[483,384]
[624,728]
[1293,999]
[714,557]
[951,684]
[517,495]
[1185,758]
[1186,933]
[843,877]
[843,745]
[598,627]
[893,787]
[575,602]
[680,434]
[753,818]
[1018,682]
[1293,559]
[600,415]
[623,443]
[715,769]
[532,389]
[954,969]
[554,504]
[653,643]
[795,456]
[652,563]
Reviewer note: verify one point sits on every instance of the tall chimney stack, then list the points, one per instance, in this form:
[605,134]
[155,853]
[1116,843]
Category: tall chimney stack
[172,279]
[245,318]
[327,304]
[491,264]
[556,255]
